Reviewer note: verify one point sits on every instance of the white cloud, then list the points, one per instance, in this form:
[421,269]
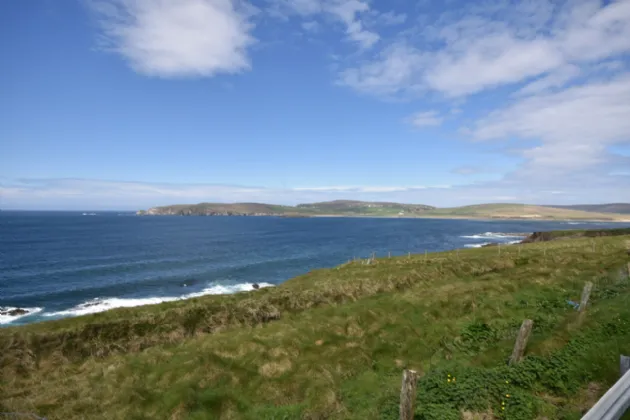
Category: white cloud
[394,72]
[563,67]
[426,119]
[575,126]
[171,38]
[346,11]
[499,45]
[554,79]
[77,194]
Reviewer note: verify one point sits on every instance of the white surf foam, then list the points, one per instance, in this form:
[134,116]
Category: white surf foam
[479,245]
[225,290]
[492,235]
[105,304]
[7,319]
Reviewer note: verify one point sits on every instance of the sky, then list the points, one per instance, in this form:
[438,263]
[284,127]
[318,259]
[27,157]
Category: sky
[129,104]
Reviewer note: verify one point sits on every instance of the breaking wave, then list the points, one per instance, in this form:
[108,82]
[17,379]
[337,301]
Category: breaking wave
[479,245]
[6,318]
[494,235]
[104,304]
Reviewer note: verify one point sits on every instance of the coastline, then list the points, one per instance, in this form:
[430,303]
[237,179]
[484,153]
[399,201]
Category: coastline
[480,218]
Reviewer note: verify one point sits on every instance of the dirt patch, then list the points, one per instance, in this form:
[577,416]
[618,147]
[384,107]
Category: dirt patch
[275,369]
[590,395]
[471,415]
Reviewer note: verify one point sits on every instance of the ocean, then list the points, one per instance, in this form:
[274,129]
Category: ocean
[61,264]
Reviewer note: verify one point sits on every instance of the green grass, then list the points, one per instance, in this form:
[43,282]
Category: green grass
[332,343]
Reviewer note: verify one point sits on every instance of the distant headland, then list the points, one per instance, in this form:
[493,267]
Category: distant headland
[353,208]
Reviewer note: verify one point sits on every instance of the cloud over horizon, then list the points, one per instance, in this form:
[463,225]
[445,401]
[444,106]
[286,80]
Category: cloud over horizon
[73,194]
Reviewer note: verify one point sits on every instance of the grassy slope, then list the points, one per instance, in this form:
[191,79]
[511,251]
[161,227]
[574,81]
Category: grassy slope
[520,210]
[619,208]
[343,337]
[365,208]
[373,209]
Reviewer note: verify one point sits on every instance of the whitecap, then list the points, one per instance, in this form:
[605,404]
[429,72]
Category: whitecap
[105,304]
[479,245]
[7,319]
[225,290]
[493,235]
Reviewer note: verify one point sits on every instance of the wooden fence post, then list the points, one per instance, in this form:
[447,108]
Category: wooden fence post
[586,294]
[521,341]
[624,364]
[408,394]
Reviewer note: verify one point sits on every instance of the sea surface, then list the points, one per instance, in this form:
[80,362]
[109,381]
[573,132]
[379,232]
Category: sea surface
[60,264]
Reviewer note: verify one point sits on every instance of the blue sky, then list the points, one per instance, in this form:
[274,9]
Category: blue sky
[126,104]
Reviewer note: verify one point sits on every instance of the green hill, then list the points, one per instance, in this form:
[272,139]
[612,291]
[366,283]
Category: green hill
[620,208]
[331,344]
[522,211]
[353,208]
[373,208]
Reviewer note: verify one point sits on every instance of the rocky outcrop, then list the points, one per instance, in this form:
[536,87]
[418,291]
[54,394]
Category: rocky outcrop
[571,234]
[14,312]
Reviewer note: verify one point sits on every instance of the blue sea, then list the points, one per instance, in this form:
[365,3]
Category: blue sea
[61,264]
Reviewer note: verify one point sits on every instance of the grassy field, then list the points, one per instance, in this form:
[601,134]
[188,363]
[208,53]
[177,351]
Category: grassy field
[332,343]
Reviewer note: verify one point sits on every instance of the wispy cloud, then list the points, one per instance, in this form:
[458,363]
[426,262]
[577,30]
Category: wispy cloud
[563,68]
[178,38]
[426,119]
[499,45]
[83,194]
[348,12]
[575,126]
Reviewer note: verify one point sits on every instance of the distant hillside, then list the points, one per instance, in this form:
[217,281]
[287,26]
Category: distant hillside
[620,208]
[218,209]
[522,211]
[353,208]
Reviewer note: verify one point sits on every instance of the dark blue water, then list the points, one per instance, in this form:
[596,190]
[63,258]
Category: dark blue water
[65,264]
